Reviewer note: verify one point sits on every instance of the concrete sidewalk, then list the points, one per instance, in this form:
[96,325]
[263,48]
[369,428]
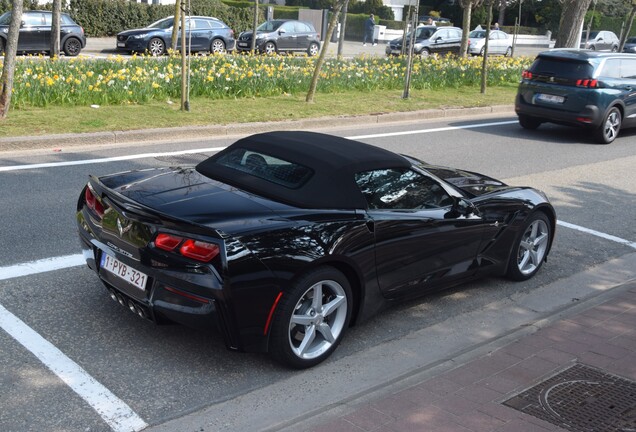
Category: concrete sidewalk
[576,374]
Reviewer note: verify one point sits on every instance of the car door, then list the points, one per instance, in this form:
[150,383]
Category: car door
[201,34]
[32,33]
[287,38]
[439,43]
[628,86]
[303,35]
[419,243]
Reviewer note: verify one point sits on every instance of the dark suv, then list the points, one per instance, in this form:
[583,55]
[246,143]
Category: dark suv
[35,33]
[579,88]
[430,39]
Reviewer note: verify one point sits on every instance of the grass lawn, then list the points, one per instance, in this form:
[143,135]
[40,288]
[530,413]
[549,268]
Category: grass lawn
[204,111]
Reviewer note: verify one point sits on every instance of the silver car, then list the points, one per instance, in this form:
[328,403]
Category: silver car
[602,40]
[499,42]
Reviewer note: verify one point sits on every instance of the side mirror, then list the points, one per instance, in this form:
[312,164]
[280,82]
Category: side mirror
[462,209]
[282,31]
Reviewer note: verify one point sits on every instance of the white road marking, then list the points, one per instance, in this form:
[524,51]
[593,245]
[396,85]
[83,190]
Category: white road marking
[119,416]
[598,234]
[216,149]
[41,266]
[106,160]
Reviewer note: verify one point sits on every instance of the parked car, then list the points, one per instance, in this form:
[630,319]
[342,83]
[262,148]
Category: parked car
[600,41]
[35,33]
[204,33]
[579,88]
[499,42]
[278,36]
[630,45]
[284,239]
[429,40]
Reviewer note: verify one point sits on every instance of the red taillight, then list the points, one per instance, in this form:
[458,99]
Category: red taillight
[167,242]
[588,83]
[189,248]
[526,74]
[92,202]
[198,250]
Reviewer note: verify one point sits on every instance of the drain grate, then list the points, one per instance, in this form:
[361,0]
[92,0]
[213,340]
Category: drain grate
[582,399]
[183,160]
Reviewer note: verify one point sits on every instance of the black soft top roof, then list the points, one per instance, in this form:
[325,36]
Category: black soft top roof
[333,160]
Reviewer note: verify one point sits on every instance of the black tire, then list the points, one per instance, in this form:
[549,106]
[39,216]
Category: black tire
[508,52]
[425,53]
[217,46]
[1,46]
[72,47]
[614,48]
[269,48]
[528,122]
[611,126]
[482,51]
[305,332]
[156,47]
[530,248]
[313,49]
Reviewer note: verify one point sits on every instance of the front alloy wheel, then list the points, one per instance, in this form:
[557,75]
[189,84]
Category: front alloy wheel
[269,48]
[311,318]
[156,47]
[531,248]
[608,131]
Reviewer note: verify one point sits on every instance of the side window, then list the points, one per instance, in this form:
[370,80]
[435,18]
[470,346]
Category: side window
[611,68]
[32,19]
[215,24]
[401,189]
[200,24]
[628,68]
[288,27]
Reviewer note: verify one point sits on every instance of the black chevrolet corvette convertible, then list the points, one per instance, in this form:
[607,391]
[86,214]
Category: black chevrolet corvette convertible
[285,239]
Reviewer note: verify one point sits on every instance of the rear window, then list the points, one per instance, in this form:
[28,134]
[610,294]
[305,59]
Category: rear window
[562,68]
[266,167]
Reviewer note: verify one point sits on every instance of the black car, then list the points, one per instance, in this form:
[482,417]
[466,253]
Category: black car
[278,36]
[285,239]
[630,45]
[429,39]
[579,88]
[203,33]
[35,33]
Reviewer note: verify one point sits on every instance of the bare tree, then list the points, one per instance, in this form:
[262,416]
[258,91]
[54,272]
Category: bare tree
[572,16]
[323,52]
[175,25]
[253,46]
[55,29]
[630,21]
[468,6]
[6,80]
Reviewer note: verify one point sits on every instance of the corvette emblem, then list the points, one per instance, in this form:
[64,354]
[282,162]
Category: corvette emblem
[123,229]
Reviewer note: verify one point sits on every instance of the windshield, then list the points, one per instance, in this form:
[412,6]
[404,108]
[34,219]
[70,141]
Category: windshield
[5,18]
[162,23]
[477,34]
[592,35]
[424,33]
[631,40]
[269,26]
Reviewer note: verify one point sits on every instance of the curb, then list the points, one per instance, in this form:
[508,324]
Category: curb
[202,132]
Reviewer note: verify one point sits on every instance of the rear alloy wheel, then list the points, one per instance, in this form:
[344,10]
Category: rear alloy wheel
[72,47]
[508,52]
[425,53]
[217,47]
[528,122]
[156,47]
[313,49]
[608,131]
[311,318]
[482,51]
[531,248]
[269,48]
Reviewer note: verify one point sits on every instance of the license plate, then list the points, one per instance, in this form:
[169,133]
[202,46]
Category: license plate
[121,44]
[242,44]
[542,97]
[124,272]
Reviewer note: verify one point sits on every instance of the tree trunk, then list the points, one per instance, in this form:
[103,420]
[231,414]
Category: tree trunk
[572,16]
[323,52]
[175,25]
[253,48]
[468,9]
[502,12]
[55,29]
[6,79]
[484,64]
[630,21]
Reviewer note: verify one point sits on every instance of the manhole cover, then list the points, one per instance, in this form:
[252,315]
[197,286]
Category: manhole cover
[582,399]
[183,160]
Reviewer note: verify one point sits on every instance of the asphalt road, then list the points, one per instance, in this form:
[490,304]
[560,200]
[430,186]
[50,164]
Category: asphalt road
[173,378]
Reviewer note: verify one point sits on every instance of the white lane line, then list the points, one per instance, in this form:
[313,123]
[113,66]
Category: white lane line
[442,129]
[215,149]
[41,266]
[106,160]
[598,234]
[119,416]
